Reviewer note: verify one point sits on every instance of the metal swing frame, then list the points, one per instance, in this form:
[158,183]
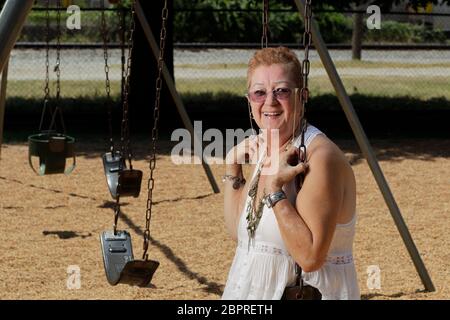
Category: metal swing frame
[14,14]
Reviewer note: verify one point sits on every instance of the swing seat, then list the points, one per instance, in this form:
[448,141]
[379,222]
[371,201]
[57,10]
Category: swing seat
[52,149]
[130,182]
[116,173]
[112,164]
[119,263]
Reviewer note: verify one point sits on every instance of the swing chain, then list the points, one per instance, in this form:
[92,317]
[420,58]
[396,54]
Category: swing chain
[122,52]
[304,92]
[125,130]
[58,51]
[152,164]
[47,63]
[265,23]
[58,69]
[107,81]
[116,210]
[307,40]
[125,133]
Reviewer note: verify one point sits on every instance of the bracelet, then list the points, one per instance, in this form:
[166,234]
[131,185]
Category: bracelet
[237,181]
[271,199]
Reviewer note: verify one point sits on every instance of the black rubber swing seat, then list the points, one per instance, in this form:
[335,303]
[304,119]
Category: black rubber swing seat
[119,263]
[117,173]
[52,149]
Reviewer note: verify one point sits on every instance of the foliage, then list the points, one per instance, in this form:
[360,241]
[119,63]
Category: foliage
[335,27]
[238,26]
[234,26]
[393,31]
[35,28]
[384,4]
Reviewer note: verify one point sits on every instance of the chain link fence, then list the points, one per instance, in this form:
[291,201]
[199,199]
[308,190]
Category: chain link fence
[422,72]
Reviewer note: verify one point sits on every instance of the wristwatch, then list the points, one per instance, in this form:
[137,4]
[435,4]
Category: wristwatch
[272,198]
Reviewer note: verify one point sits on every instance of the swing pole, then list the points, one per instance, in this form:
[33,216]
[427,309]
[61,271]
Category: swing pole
[173,91]
[366,149]
[3,85]
[12,18]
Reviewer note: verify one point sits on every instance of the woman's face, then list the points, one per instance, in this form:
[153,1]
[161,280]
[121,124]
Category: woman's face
[276,111]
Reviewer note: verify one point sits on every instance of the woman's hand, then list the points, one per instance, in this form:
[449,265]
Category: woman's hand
[246,150]
[285,169]
[234,199]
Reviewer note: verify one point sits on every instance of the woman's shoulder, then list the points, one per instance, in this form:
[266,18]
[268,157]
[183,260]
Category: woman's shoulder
[324,150]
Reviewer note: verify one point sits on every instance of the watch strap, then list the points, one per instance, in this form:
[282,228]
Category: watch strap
[273,198]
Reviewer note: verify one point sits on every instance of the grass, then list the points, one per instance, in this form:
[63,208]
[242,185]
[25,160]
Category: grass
[210,66]
[236,86]
[318,65]
[34,89]
[88,94]
[420,88]
[390,86]
[381,64]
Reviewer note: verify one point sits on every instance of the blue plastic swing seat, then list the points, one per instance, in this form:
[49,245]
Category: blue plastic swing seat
[52,149]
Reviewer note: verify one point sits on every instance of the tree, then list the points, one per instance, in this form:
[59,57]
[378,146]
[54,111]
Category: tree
[383,4]
[359,5]
[144,70]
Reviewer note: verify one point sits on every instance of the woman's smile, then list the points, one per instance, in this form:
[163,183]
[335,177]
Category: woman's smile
[273,115]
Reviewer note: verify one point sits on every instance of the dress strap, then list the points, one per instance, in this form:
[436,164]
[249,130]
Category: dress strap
[310,134]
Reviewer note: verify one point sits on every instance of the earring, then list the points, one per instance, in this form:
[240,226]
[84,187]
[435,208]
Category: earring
[250,111]
[250,117]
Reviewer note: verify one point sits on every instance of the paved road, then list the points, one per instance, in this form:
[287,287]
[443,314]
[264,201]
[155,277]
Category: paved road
[88,64]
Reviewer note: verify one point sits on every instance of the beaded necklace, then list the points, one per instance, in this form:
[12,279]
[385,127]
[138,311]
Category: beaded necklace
[254,216]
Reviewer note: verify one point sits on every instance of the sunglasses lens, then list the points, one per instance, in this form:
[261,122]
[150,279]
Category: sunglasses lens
[279,94]
[258,96]
[282,94]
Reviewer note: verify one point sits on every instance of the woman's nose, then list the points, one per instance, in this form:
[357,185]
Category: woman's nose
[271,100]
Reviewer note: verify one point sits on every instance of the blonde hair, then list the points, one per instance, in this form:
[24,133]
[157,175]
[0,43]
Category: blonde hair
[278,55]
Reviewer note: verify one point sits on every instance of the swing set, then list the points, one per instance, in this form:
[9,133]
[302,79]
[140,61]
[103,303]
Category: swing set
[53,146]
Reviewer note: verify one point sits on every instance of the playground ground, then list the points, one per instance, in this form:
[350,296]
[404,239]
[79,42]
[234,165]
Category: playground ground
[51,223]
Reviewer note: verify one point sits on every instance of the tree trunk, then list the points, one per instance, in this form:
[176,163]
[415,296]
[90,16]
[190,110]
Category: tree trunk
[357,35]
[144,72]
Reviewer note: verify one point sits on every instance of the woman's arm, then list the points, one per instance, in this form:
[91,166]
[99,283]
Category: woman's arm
[234,199]
[308,228]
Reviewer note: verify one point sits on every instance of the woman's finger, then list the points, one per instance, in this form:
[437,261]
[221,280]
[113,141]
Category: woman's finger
[290,156]
[301,167]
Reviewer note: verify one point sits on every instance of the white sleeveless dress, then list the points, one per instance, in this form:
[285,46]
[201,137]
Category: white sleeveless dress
[262,270]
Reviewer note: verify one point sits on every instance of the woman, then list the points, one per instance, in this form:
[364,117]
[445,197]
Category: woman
[277,224]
